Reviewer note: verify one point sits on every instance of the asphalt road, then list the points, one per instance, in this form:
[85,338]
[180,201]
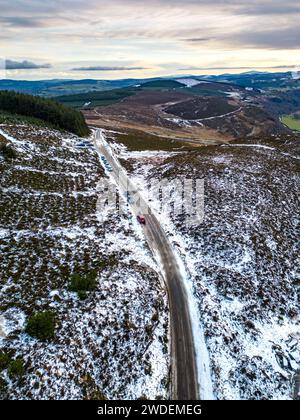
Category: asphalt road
[184,378]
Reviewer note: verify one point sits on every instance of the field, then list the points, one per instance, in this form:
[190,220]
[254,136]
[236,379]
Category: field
[139,141]
[198,108]
[162,85]
[291,122]
[96,98]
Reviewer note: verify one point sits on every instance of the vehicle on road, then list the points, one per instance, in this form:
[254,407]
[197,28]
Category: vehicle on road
[129,199]
[141,219]
[106,164]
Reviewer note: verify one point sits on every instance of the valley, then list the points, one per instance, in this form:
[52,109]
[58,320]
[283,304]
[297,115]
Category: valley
[168,309]
[229,112]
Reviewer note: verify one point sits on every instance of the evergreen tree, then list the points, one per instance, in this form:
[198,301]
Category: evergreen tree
[50,111]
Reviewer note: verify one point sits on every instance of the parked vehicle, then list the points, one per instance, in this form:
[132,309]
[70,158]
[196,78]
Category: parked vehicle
[128,197]
[106,164]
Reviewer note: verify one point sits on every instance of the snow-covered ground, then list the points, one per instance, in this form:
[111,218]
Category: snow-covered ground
[190,82]
[113,344]
[243,259]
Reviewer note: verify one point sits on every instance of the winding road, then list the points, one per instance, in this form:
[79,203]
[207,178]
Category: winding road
[184,375]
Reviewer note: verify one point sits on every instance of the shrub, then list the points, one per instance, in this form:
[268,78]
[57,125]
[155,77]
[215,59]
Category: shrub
[142,397]
[155,317]
[41,326]
[83,283]
[97,396]
[16,368]
[4,361]
[82,295]
[3,386]
[7,151]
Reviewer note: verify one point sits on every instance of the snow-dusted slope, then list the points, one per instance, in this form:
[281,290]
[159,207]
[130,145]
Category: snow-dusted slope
[113,344]
[243,259]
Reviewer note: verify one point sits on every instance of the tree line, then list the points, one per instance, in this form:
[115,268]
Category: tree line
[50,111]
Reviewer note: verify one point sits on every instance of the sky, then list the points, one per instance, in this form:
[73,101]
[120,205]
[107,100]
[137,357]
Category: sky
[101,39]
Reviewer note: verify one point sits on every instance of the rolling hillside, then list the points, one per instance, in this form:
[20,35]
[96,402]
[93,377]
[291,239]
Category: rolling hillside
[51,112]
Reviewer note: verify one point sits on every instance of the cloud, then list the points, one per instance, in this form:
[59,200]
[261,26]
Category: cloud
[20,22]
[73,33]
[268,7]
[197,40]
[24,65]
[274,38]
[193,68]
[254,7]
[107,68]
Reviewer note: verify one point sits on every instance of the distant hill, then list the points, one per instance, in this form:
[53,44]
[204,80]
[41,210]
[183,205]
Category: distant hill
[162,84]
[260,80]
[103,98]
[62,87]
[51,88]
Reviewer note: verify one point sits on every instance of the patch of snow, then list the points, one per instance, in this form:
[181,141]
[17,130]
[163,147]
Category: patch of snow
[2,327]
[234,95]
[180,122]
[12,320]
[189,82]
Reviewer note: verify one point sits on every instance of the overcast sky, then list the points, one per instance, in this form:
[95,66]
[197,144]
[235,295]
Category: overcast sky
[104,39]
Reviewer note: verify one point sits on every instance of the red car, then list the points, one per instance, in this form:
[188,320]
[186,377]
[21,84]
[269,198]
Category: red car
[141,219]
